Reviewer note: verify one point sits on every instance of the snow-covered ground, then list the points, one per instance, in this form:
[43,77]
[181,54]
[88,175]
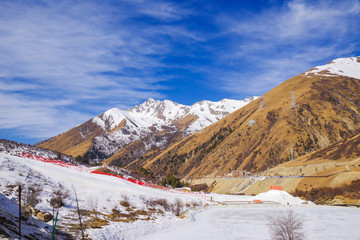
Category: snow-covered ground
[251,223]
[239,218]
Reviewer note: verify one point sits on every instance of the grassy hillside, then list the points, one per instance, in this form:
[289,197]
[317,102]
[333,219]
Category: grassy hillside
[327,110]
[74,142]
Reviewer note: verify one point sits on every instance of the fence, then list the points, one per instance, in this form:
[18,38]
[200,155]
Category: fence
[85,169]
[52,161]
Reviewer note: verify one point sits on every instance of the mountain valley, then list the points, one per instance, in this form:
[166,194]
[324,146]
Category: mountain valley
[307,126]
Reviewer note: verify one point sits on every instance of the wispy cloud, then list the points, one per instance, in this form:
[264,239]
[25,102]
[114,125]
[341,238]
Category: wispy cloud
[299,21]
[163,10]
[34,118]
[62,62]
[283,41]
[55,56]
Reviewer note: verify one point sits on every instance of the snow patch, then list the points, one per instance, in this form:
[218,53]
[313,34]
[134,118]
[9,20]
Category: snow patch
[280,197]
[348,67]
[109,119]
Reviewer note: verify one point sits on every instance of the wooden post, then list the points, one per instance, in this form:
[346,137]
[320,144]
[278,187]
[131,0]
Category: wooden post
[19,210]
[78,209]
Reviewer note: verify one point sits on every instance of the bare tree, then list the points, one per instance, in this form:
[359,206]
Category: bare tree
[31,194]
[57,201]
[179,205]
[59,195]
[93,204]
[286,226]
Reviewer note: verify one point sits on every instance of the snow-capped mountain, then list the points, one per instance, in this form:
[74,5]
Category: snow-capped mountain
[153,123]
[153,117]
[348,67]
[163,113]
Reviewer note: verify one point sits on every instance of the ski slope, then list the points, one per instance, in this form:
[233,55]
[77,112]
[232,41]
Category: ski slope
[105,188]
[242,219]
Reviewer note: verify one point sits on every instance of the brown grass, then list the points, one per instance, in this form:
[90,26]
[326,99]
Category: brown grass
[71,142]
[324,194]
[95,223]
[316,122]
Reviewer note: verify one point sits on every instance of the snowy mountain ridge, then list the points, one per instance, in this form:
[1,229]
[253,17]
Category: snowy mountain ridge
[155,112]
[152,125]
[154,116]
[348,67]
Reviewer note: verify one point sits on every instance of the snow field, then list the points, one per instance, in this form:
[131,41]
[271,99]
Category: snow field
[328,223]
[242,219]
[106,191]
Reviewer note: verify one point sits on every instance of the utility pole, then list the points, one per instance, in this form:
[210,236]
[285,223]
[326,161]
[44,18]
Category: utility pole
[292,100]
[19,210]
[262,102]
[292,154]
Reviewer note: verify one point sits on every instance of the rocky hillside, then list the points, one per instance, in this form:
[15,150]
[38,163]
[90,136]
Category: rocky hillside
[303,114]
[123,136]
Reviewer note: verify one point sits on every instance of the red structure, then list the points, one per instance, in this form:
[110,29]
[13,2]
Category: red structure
[276,188]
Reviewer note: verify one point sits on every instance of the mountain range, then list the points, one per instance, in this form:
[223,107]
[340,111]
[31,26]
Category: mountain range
[151,126]
[309,124]
[303,114]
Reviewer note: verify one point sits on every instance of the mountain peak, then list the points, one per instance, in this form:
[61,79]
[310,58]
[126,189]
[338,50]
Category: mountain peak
[348,67]
[109,119]
[150,100]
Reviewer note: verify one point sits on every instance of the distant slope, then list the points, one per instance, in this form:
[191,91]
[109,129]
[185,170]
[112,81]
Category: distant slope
[15,148]
[153,125]
[260,136]
[74,142]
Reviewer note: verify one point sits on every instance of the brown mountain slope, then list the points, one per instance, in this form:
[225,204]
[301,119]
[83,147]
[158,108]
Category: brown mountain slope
[333,166]
[324,175]
[327,110]
[74,142]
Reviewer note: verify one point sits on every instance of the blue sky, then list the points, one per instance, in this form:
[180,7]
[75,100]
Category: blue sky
[64,62]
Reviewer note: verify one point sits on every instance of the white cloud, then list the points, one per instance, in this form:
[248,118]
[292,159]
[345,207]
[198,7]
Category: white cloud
[70,60]
[297,20]
[34,118]
[163,10]
[56,56]
[282,42]
[270,72]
